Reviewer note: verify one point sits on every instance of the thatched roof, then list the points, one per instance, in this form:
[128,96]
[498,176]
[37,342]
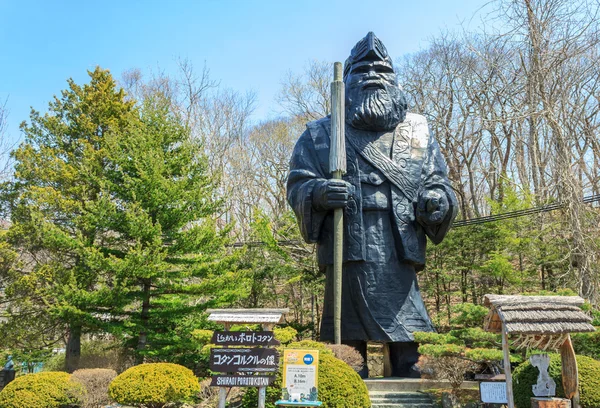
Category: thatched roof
[536,315]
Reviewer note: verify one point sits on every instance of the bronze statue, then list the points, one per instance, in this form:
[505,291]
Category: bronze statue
[395,193]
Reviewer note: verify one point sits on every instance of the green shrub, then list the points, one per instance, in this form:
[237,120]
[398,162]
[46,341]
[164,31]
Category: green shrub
[481,355]
[435,338]
[525,376]
[587,344]
[310,345]
[469,315]
[202,336]
[477,337]
[339,385]
[285,334]
[154,385]
[42,390]
[441,350]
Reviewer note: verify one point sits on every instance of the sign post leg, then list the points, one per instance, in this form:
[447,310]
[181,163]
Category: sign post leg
[222,397]
[223,390]
[262,396]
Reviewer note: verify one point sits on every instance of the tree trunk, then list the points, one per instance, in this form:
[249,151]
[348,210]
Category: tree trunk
[144,317]
[73,352]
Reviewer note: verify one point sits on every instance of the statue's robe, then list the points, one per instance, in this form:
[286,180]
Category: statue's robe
[384,244]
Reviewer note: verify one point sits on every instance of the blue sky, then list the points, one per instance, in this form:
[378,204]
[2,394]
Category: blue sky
[247,45]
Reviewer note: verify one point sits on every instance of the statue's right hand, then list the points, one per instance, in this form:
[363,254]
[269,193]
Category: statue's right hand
[331,194]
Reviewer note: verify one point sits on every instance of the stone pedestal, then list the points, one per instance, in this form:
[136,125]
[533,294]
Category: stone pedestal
[375,359]
[540,402]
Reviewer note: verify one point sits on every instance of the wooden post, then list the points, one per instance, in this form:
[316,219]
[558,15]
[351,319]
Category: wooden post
[507,371]
[337,166]
[223,390]
[570,372]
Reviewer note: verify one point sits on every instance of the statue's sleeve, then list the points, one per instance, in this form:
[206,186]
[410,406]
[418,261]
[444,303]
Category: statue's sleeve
[305,174]
[434,176]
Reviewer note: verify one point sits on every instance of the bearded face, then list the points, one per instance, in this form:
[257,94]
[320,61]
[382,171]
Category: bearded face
[373,99]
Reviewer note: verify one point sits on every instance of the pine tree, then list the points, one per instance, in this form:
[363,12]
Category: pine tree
[172,260]
[112,212]
[54,203]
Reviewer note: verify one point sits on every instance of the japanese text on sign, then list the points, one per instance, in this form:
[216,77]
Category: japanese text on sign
[226,338]
[493,392]
[244,360]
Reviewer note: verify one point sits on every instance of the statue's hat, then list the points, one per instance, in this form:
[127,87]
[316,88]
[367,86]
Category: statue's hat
[368,50]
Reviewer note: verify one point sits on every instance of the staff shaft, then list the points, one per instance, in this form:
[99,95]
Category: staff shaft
[337,166]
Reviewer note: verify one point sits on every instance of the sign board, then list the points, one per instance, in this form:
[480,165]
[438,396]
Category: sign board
[244,338]
[244,360]
[242,380]
[251,316]
[493,392]
[300,375]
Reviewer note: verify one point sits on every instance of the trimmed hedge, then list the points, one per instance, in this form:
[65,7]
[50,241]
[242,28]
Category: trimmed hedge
[154,385]
[42,390]
[339,385]
[525,376]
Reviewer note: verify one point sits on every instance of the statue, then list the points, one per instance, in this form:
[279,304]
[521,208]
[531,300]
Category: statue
[395,193]
[9,366]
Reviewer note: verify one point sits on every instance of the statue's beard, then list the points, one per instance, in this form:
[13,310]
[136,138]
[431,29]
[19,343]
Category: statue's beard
[375,109]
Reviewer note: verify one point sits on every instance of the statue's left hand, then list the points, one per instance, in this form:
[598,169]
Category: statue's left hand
[432,207]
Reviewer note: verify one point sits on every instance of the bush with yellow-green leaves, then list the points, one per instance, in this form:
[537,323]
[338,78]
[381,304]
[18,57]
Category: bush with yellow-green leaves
[154,385]
[339,385]
[42,390]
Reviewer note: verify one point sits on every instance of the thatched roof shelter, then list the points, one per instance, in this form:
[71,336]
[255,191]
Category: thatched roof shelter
[541,315]
[539,322]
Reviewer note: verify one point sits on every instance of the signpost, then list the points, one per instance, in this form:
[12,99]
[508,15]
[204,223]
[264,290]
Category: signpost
[247,361]
[300,378]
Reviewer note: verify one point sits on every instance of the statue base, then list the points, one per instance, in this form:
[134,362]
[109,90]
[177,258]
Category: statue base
[544,402]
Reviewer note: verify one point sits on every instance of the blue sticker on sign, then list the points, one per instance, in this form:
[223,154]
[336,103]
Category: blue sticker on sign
[308,359]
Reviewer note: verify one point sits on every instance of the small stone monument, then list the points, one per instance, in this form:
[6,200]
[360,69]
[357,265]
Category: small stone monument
[545,387]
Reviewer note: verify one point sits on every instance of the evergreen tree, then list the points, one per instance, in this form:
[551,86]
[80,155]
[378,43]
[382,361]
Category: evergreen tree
[56,203]
[112,213]
[170,257]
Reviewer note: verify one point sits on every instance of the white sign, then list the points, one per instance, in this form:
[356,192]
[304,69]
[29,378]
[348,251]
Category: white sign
[300,371]
[493,392]
[246,315]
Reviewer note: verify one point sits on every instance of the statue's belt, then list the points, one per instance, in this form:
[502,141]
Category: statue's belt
[398,176]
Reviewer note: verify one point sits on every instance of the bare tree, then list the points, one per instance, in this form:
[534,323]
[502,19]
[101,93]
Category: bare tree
[306,95]
[560,42]
[6,145]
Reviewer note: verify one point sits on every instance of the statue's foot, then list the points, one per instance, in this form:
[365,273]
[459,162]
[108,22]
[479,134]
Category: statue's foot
[364,372]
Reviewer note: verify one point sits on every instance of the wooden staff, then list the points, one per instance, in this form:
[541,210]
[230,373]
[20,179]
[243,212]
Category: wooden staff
[337,167]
